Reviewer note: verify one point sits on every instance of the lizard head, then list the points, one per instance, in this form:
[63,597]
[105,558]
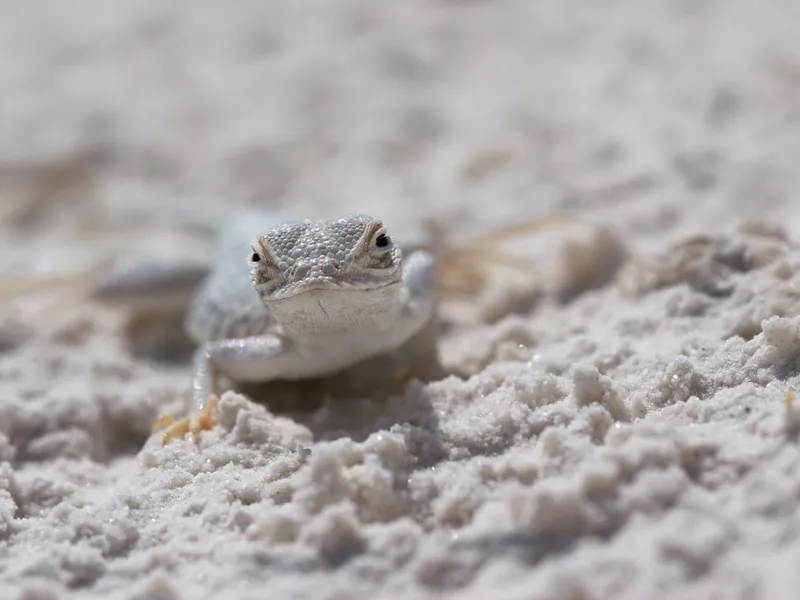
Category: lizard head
[349,253]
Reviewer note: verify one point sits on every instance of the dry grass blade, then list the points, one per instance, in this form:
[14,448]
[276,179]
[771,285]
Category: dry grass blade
[465,268]
[518,229]
[17,286]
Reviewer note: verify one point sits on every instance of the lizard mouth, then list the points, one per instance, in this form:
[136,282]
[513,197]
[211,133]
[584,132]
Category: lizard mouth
[330,285]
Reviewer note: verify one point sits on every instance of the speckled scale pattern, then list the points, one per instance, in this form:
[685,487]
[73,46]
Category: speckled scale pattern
[307,241]
[311,251]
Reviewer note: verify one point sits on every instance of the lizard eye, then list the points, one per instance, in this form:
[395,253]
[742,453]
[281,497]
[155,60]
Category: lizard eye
[255,257]
[382,240]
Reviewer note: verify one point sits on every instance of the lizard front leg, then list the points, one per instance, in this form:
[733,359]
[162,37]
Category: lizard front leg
[421,290]
[416,352]
[252,359]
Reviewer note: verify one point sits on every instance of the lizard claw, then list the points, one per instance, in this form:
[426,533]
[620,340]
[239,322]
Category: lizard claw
[204,421]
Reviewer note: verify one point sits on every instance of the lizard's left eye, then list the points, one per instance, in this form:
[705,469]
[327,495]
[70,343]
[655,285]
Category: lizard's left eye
[382,241]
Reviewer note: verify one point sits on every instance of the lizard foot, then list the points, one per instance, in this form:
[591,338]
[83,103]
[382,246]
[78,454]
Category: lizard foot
[194,424]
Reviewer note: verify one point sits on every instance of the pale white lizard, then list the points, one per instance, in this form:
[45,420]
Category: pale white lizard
[289,301]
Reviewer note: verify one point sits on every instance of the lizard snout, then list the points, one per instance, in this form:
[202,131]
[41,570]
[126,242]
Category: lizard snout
[302,271]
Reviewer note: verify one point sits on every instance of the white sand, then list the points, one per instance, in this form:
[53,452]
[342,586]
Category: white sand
[633,442]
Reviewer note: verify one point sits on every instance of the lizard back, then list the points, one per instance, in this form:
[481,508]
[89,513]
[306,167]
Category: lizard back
[226,305]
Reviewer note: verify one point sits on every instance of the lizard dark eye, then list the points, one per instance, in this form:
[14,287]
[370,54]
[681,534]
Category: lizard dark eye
[255,257]
[382,241]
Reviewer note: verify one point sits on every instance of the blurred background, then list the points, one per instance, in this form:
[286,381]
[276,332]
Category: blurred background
[123,118]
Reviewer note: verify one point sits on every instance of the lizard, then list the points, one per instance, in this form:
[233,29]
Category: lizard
[290,300]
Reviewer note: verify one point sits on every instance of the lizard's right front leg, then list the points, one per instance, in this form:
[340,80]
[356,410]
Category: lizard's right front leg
[248,360]
[253,359]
